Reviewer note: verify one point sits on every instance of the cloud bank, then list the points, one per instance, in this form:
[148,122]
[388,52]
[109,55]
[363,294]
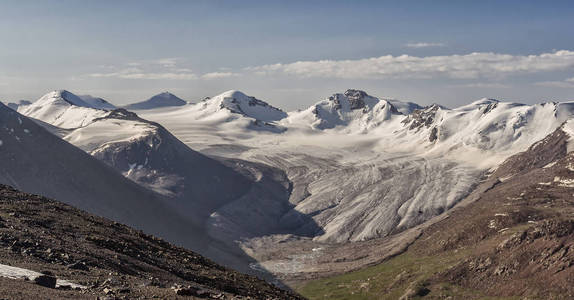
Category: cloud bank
[137,73]
[468,66]
[158,69]
[424,45]
[217,75]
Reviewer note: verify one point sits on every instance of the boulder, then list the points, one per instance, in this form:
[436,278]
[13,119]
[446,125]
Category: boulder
[46,281]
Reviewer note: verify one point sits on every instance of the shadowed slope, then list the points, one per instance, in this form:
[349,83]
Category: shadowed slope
[106,257]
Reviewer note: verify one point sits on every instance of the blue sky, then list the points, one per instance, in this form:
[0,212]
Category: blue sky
[289,53]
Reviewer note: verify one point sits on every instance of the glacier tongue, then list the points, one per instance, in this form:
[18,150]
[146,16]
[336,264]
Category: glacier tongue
[363,167]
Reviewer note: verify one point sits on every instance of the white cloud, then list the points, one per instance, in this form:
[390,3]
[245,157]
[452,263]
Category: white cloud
[566,83]
[170,62]
[136,73]
[424,45]
[483,85]
[160,69]
[217,75]
[167,74]
[468,66]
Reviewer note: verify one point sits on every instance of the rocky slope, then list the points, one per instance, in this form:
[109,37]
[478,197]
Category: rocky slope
[99,257]
[511,238]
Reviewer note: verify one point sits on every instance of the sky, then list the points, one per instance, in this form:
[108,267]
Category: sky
[289,53]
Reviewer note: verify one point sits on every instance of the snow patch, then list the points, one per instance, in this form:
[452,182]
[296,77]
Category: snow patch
[492,224]
[568,127]
[564,182]
[21,273]
[550,165]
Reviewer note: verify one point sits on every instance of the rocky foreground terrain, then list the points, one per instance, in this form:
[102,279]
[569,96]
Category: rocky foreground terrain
[65,253]
[513,238]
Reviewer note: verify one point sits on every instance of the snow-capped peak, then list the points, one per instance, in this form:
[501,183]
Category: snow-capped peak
[165,96]
[485,131]
[239,103]
[63,109]
[354,109]
[64,97]
[484,102]
[351,100]
[61,97]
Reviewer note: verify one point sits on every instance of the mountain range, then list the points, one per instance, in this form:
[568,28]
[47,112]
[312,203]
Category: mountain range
[287,196]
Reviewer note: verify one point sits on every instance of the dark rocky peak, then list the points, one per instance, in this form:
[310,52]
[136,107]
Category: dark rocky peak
[422,117]
[489,107]
[122,114]
[336,99]
[66,96]
[164,99]
[356,98]
[393,109]
[254,102]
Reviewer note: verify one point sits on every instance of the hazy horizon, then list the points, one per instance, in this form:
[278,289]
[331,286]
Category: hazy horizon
[289,54]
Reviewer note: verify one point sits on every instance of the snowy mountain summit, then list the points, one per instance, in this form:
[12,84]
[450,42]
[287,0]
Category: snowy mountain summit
[231,109]
[164,99]
[354,110]
[61,97]
[64,109]
[239,103]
